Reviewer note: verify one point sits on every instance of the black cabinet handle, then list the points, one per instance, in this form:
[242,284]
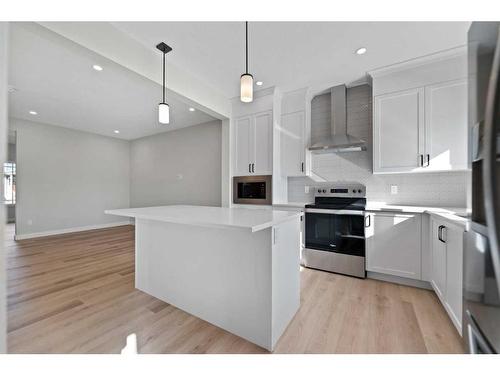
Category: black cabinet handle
[440,233]
[421,160]
[369,221]
[249,168]
[302,167]
[253,168]
[428,160]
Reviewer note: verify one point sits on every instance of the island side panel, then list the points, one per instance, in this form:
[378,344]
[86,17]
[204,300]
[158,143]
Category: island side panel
[222,276]
[285,275]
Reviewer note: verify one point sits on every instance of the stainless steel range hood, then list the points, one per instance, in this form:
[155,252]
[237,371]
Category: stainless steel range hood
[339,140]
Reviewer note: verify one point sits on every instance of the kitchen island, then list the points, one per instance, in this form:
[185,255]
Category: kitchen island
[236,268]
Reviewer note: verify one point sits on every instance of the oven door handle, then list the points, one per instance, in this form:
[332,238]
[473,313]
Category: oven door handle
[335,212]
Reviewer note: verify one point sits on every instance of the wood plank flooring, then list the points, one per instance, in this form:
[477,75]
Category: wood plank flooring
[75,293]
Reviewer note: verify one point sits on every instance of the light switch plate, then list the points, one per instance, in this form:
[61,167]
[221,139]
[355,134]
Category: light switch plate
[394,189]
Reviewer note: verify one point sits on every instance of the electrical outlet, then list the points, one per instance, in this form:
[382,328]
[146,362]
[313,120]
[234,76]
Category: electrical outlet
[394,189]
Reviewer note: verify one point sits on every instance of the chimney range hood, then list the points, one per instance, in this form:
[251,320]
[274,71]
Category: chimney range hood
[339,140]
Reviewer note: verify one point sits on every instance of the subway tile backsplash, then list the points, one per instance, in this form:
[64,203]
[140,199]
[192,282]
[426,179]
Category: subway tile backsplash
[445,189]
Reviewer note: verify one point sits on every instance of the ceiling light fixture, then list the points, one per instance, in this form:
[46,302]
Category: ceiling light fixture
[163,107]
[34,113]
[191,109]
[259,83]
[246,79]
[116,131]
[97,67]
[361,51]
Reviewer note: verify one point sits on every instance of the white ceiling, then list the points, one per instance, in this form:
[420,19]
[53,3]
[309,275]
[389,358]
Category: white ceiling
[294,54]
[54,77]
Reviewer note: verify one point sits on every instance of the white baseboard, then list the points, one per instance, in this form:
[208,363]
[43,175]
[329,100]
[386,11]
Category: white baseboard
[399,280]
[69,230]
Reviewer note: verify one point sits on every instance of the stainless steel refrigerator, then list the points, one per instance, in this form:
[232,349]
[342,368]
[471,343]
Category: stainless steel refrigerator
[482,249]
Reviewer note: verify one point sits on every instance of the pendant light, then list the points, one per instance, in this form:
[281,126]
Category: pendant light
[246,79]
[163,107]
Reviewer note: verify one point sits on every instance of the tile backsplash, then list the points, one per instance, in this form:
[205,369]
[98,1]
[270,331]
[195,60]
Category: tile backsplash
[446,189]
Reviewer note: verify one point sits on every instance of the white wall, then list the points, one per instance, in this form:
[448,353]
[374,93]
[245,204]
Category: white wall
[3,143]
[67,178]
[177,167]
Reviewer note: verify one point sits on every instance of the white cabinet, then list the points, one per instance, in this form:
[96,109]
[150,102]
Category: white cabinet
[293,147]
[244,146]
[422,129]
[420,115]
[398,124]
[446,276]
[446,125]
[393,244]
[438,258]
[294,134]
[253,144]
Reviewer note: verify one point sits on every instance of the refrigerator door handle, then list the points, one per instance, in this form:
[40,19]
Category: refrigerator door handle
[492,117]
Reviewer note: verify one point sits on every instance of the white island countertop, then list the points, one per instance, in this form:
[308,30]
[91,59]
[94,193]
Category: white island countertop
[218,217]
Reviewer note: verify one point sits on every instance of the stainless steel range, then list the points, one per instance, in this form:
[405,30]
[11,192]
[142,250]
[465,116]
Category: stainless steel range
[335,230]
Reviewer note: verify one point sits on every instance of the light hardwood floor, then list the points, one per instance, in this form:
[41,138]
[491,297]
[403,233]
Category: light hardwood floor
[75,293]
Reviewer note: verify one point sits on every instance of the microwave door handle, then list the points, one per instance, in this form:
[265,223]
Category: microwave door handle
[490,178]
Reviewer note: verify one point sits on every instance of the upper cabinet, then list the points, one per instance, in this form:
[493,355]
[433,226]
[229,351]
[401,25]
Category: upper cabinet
[420,115]
[446,125]
[253,144]
[397,131]
[295,133]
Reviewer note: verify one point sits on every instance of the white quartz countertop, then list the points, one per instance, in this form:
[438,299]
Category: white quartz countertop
[291,204]
[457,215]
[220,217]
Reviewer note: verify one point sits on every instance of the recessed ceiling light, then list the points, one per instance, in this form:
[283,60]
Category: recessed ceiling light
[97,67]
[361,51]
[116,131]
[191,109]
[34,113]
[259,83]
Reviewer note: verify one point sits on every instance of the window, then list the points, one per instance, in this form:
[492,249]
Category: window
[9,183]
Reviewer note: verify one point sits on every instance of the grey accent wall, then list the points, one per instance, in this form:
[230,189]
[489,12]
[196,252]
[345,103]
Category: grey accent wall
[447,189]
[178,167]
[67,178]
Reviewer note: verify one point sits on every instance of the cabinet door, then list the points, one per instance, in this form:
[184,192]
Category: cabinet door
[438,274]
[263,146]
[398,131]
[244,146]
[454,255]
[292,147]
[446,125]
[393,244]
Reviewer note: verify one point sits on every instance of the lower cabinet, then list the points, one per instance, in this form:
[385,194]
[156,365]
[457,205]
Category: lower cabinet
[446,274]
[394,244]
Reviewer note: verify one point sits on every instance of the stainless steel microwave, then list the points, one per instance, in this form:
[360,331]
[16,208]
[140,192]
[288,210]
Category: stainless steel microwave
[252,190]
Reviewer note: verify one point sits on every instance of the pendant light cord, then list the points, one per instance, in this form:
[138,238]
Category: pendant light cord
[246,46]
[164,90]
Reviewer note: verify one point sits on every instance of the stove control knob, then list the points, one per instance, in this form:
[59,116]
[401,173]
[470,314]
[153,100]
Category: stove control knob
[353,190]
[359,191]
[324,190]
[319,190]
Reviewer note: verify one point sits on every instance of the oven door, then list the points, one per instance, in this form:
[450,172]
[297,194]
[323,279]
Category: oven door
[339,231]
